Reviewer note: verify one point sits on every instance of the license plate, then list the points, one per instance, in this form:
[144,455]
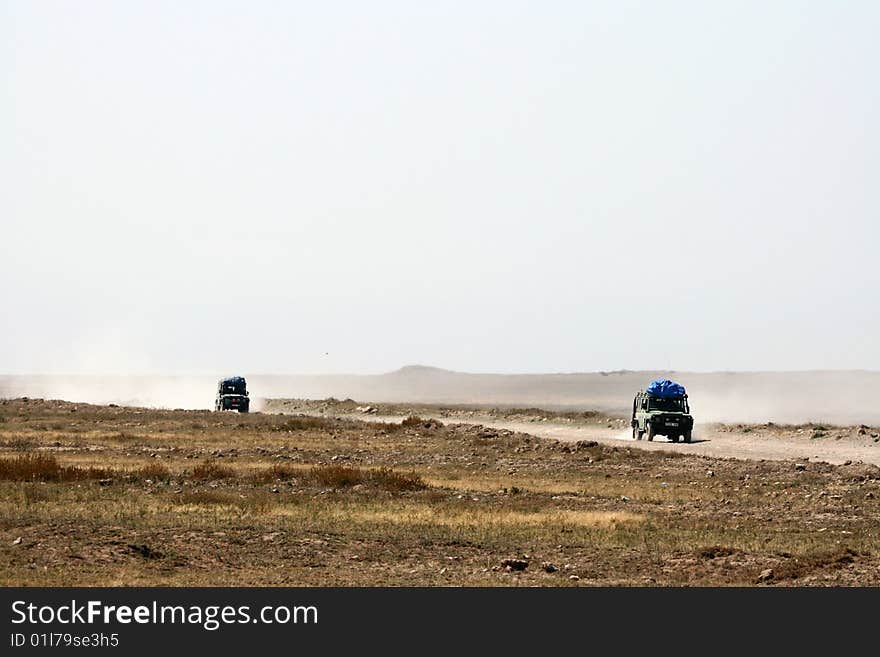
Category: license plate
[672,424]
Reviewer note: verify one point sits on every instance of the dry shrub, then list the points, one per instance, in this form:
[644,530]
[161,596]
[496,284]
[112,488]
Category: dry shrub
[274,473]
[154,471]
[41,467]
[397,481]
[341,476]
[336,476]
[212,470]
[388,427]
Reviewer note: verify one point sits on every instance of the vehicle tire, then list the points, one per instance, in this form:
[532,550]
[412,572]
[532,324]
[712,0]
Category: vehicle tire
[674,438]
[650,433]
[687,436]
[636,435]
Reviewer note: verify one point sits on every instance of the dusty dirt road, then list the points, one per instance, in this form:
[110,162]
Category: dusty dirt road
[719,442]
[831,444]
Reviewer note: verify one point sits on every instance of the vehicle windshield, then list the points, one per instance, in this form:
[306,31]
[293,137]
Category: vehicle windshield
[658,404]
[232,388]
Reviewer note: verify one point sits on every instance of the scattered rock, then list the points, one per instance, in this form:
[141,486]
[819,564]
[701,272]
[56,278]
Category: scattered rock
[800,466]
[766,575]
[574,578]
[105,482]
[546,566]
[17,541]
[514,564]
[869,495]
[710,473]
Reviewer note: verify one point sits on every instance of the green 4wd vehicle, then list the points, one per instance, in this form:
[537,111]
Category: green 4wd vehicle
[662,416]
[232,395]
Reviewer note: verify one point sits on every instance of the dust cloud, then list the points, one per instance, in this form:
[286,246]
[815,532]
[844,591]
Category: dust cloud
[837,397]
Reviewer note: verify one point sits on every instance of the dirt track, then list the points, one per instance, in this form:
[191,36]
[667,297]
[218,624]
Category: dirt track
[710,442]
[717,442]
[755,442]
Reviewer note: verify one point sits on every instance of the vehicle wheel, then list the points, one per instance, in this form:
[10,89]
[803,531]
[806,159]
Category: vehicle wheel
[650,433]
[674,438]
[687,436]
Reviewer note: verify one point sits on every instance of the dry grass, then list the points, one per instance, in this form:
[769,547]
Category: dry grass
[41,467]
[234,500]
[154,471]
[464,519]
[212,470]
[340,476]
[275,473]
[255,502]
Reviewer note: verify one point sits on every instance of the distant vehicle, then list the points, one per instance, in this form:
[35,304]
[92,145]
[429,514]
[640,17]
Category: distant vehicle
[662,409]
[232,395]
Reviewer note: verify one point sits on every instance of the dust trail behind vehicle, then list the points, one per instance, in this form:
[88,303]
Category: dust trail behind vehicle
[838,397]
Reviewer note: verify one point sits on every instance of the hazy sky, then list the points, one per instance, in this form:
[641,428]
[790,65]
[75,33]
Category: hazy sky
[506,186]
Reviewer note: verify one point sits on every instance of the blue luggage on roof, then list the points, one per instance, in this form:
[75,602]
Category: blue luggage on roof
[665,389]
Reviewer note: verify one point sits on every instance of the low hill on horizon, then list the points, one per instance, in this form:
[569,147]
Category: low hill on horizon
[821,396]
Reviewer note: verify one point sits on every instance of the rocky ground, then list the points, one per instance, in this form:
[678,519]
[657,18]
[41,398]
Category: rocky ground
[95,495]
